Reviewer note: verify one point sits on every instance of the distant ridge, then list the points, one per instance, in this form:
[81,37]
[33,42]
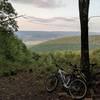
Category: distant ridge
[46,35]
[67,43]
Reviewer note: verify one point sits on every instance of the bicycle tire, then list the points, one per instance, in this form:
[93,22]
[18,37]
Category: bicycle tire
[75,89]
[54,85]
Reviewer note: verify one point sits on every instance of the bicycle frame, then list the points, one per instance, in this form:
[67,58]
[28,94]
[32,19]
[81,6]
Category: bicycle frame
[62,76]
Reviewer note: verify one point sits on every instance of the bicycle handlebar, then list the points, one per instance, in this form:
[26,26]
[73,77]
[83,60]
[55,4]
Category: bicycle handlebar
[59,67]
[74,66]
[93,64]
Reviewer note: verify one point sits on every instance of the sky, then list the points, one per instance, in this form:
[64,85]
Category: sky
[54,15]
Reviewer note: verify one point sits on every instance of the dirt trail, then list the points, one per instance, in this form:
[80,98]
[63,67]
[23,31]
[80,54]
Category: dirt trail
[26,86]
[19,87]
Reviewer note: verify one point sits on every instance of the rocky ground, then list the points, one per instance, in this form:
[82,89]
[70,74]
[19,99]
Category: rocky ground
[27,86]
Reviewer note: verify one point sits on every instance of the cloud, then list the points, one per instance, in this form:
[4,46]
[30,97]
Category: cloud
[44,3]
[57,23]
[50,20]
[29,23]
[54,23]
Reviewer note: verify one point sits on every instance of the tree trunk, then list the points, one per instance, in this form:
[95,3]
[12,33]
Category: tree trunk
[84,11]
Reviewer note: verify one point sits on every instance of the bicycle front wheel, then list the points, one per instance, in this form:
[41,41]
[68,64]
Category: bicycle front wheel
[78,89]
[51,83]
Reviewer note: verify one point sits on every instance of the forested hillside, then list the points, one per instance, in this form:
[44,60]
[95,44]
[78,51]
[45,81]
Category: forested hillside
[67,43]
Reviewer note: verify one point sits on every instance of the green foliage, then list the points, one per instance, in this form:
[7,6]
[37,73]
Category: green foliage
[46,62]
[95,58]
[14,55]
[12,48]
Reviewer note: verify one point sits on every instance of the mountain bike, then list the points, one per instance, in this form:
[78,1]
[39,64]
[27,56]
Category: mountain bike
[75,84]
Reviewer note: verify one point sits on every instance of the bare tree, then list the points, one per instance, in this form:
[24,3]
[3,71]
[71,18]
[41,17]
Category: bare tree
[84,12]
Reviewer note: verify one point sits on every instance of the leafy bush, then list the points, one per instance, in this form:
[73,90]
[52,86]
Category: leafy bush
[13,52]
[14,55]
[46,62]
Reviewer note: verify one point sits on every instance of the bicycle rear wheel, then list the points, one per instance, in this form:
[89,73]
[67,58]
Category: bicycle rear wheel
[51,83]
[78,89]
